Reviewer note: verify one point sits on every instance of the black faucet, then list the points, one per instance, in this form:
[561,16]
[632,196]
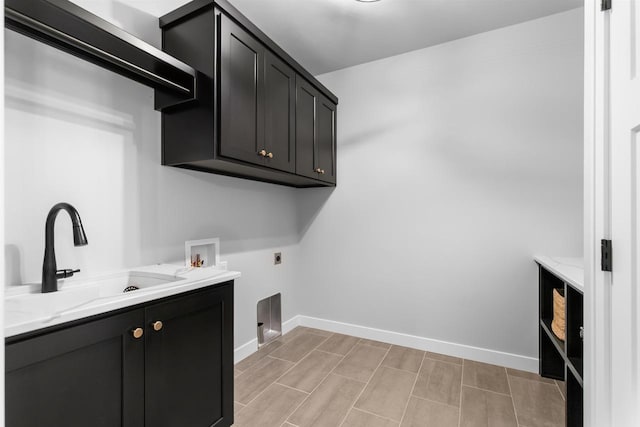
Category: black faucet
[50,274]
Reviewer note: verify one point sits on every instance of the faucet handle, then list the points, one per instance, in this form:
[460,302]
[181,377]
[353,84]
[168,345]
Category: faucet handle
[67,272]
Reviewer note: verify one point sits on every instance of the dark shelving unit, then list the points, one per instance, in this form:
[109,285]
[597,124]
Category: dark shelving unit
[562,360]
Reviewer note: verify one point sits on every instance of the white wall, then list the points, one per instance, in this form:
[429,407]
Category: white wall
[456,164]
[80,134]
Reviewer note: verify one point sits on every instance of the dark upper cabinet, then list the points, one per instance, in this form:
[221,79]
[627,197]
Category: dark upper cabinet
[189,360]
[306,98]
[87,375]
[128,370]
[244,123]
[242,94]
[315,133]
[326,139]
[257,93]
[280,98]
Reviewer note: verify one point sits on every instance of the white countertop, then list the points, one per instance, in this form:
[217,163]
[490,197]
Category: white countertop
[21,316]
[570,270]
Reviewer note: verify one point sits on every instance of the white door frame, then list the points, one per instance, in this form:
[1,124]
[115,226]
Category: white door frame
[597,217]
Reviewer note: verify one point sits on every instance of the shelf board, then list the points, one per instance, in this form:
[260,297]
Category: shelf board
[68,27]
[557,342]
[574,364]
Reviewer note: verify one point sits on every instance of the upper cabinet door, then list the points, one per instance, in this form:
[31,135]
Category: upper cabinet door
[242,109]
[306,151]
[280,98]
[326,139]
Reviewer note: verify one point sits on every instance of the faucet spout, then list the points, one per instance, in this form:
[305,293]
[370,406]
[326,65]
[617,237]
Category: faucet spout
[50,274]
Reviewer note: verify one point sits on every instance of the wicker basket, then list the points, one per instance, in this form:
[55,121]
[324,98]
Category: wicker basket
[558,323]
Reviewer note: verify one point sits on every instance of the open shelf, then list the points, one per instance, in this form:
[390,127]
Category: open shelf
[562,360]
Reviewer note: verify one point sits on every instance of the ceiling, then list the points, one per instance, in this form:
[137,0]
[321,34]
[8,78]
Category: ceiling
[327,35]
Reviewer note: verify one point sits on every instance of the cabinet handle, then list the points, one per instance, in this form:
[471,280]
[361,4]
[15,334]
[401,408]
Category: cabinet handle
[137,333]
[270,155]
[322,171]
[262,153]
[319,170]
[157,325]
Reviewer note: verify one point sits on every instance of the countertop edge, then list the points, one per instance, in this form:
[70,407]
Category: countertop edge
[569,269]
[107,306]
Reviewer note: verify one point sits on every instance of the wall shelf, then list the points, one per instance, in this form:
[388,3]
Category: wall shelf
[68,27]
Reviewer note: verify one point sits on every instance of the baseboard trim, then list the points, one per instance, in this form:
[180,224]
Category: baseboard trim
[248,348]
[509,360]
[479,354]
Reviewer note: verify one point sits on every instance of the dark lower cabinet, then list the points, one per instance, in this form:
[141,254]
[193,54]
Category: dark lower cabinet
[87,375]
[184,382]
[164,363]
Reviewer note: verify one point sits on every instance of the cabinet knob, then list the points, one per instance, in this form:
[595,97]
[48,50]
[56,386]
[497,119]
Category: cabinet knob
[322,171]
[157,325]
[319,170]
[137,333]
[270,155]
[262,153]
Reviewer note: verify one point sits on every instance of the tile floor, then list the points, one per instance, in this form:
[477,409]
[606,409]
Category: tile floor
[310,377]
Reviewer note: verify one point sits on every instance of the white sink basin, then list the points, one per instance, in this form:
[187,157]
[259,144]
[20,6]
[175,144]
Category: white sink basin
[127,282]
[78,293]
[27,309]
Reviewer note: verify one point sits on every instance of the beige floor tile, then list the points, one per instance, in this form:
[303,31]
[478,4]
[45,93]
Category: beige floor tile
[248,362]
[485,376]
[404,358]
[237,407]
[339,344]
[481,408]
[537,404]
[316,331]
[287,425]
[374,343]
[311,370]
[361,362]
[298,347]
[387,393]
[444,358]
[328,405]
[358,418]
[257,378]
[236,372]
[302,330]
[439,381]
[528,376]
[284,338]
[271,408]
[424,413]
[563,389]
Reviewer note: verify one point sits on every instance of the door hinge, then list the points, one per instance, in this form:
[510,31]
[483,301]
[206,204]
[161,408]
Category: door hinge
[605,255]
[605,5]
